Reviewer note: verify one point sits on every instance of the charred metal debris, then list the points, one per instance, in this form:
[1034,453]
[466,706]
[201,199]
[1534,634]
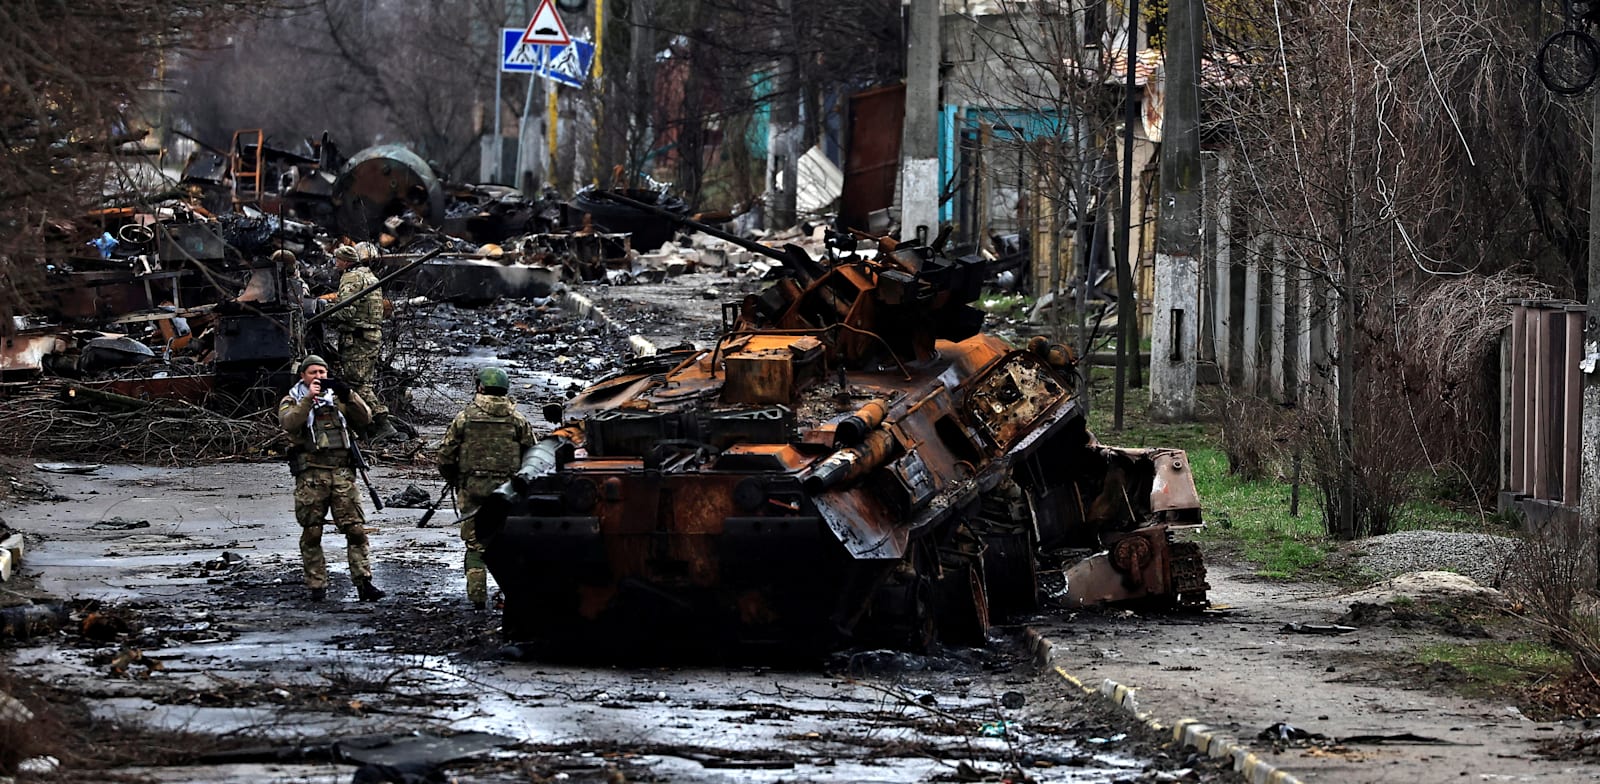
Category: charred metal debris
[205,294]
[852,462]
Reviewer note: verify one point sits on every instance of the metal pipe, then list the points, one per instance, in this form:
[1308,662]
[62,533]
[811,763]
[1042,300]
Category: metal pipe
[853,429]
[850,463]
[497,144]
[541,460]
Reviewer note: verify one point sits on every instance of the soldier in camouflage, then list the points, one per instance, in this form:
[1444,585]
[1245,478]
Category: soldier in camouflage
[361,332]
[481,450]
[318,413]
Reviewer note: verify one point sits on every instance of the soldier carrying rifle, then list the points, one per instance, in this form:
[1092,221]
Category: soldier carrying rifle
[318,414]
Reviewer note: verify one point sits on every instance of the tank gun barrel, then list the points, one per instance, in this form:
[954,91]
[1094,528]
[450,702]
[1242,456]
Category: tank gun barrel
[854,429]
[850,462]
[792,257]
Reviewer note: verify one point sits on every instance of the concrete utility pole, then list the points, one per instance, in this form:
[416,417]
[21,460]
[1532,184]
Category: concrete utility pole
[1173,333]
[919,140]
[1127,315]
[1589,493]
[783,162]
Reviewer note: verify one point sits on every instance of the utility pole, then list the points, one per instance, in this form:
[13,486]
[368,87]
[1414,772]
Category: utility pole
[1173,333]
[493,163]
[919,140]
[783,165]
[1127,315]
[1589,493]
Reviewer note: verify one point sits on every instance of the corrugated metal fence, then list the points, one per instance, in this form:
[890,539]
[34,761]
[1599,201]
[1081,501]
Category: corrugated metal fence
[1541,393]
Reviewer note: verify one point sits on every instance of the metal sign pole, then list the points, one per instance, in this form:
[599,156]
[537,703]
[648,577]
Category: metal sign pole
[522,128]
[497,145]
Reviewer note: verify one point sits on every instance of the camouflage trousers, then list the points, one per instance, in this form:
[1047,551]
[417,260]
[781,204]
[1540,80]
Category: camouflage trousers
[358,361]
[471,495]
[316,490]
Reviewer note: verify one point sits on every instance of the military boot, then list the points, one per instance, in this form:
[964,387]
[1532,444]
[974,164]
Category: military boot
[319,594]
[477,588]
[381,429]
[368,592]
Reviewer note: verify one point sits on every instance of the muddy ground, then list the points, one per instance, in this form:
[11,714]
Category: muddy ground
[239,677]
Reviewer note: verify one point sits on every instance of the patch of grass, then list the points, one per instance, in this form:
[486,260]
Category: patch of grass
[1007,306]
[1137,428]
[1436,515]
[1251,518]
[1499,665]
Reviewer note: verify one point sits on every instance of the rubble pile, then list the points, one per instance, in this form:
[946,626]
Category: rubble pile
[537,333]
[204,299]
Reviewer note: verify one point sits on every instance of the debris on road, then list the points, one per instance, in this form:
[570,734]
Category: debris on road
[68,468]
[1317,628]
[28,621]
[412,497]
[119,523]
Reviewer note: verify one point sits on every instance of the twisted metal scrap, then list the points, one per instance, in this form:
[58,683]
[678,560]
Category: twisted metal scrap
[44,423]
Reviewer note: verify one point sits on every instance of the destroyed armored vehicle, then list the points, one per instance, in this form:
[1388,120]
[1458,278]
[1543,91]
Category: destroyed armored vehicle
[853,463]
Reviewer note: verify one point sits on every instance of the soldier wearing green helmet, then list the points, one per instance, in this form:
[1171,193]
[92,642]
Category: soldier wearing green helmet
[481,450]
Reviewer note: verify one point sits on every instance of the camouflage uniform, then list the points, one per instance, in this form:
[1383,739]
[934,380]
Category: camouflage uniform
[481,450]
[361,335]
[324,477]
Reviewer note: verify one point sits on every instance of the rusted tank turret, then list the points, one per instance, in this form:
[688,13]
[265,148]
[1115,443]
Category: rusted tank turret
[853,463]
[381,182]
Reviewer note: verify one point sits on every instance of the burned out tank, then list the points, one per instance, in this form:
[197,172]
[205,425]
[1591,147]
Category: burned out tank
[855,462]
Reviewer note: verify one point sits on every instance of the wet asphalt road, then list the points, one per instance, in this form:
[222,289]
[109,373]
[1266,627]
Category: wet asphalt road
[244,657]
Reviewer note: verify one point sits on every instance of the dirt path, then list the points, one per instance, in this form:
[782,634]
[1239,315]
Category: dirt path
[1240,671]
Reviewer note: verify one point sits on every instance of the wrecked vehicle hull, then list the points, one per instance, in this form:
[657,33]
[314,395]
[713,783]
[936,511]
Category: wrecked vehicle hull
[853,463]
[739,550]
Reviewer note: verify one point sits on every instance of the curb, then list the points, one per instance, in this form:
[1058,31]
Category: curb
[1188,733]
[583,307]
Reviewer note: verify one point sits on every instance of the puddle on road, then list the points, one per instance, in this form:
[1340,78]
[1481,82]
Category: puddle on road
[303,687]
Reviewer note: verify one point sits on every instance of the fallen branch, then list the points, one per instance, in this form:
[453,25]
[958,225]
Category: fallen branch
[45,422]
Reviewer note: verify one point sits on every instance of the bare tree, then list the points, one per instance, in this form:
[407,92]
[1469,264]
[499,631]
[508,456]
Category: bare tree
[367,71]
[1386,149]
[1047,78]
[76,80]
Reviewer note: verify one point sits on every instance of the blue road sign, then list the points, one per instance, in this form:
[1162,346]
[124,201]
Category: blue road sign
[568,65]
[517,57]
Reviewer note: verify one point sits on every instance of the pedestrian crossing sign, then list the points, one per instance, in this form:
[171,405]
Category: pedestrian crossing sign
[516,56]
[568,65]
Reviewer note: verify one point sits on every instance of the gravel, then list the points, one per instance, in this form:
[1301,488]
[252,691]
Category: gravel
[1479,556]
